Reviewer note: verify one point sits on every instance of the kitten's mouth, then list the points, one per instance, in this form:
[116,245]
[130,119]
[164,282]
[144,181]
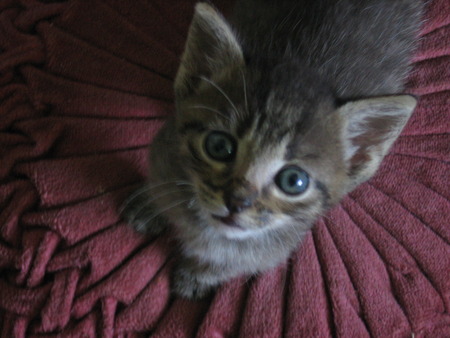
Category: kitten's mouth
[227,220]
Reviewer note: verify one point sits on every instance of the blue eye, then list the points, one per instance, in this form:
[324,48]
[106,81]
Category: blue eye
[220,146]
[292,180]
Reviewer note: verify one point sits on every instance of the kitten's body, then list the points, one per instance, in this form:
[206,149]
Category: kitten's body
[358,48]
[276,84]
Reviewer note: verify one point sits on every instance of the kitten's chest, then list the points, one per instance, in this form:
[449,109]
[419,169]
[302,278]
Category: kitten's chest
[244,255]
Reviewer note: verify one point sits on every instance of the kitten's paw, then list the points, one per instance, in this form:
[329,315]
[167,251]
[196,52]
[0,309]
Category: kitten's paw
[186,285]
[141,215]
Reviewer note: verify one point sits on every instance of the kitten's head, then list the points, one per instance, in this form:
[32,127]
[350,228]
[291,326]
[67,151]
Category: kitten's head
[270,146]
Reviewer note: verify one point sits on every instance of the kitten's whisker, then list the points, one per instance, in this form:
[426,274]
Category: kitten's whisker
[299,233]
[245,89]
[171,206]
[222,92]
[212,110]
[132,197]
[177,182]
[147,188]
[154,198]
[246,281]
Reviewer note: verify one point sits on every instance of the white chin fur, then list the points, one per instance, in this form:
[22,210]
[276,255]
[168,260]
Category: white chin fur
[238,233]
[231,232]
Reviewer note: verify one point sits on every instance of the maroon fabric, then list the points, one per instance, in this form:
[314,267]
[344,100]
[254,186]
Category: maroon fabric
[85,85]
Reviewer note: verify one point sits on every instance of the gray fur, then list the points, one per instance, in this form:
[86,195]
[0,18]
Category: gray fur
[313,84]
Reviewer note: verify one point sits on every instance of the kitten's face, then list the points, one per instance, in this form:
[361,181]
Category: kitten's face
[263,141]
[257,160]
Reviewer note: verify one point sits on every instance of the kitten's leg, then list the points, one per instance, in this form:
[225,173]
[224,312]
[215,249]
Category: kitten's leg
[141,214]
[195,281]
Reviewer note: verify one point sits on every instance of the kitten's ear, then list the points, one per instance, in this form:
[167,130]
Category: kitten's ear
[370,127]
[211,46]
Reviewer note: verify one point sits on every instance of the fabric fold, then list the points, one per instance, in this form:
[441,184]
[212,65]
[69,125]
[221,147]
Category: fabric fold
[85,87]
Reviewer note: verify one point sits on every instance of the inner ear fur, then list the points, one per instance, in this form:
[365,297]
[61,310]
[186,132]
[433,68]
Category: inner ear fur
[370,127]
[211,46]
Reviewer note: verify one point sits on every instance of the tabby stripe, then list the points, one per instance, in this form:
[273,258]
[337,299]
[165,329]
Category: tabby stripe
[244,126]
[194,125]
[212,186]
[325,193]
[261,120]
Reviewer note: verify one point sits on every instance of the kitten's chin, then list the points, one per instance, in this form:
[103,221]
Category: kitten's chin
[231,228]
[236,227]
[237,233]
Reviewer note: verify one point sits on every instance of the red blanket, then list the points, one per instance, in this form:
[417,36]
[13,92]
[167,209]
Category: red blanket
[84,86]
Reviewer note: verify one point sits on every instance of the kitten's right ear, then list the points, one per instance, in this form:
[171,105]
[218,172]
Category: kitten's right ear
[370,128]
[211,46]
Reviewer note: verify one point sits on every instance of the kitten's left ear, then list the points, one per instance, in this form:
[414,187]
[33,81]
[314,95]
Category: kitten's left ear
[211,47]
[370,127]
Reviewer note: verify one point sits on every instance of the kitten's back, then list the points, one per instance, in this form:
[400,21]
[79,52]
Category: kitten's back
[359,47]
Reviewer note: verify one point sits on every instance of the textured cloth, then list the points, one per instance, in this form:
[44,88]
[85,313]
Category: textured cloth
[84,87]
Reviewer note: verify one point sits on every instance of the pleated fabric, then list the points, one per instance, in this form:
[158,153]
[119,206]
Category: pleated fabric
[84,87]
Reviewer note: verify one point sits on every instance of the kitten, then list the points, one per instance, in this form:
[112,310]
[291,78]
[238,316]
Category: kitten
[280,113]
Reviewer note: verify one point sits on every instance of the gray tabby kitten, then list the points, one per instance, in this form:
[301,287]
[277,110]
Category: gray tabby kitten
[280,113]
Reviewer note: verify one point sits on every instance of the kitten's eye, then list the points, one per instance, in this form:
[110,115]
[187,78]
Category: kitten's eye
[292,180]
[220,146]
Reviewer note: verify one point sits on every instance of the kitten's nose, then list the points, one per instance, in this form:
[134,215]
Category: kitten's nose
[237,204]
[239,196]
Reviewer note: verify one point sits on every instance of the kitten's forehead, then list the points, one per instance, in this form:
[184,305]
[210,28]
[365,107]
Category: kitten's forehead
[285,99]
[265,162]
